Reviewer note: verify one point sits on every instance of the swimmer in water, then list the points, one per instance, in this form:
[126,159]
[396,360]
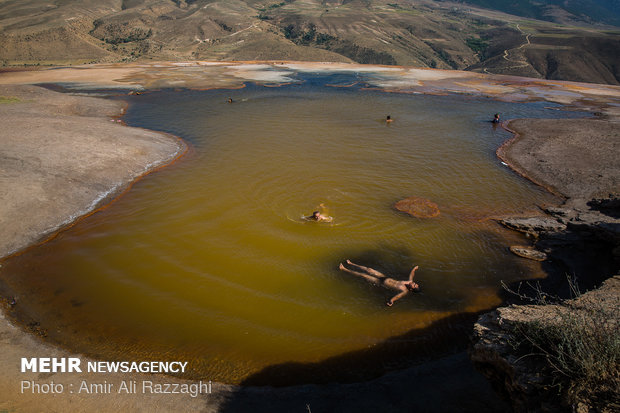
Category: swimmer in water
[378,278]
[388,119]
[496,118]
[318,216]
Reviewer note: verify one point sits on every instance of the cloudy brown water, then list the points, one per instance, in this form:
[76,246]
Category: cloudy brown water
[209,261]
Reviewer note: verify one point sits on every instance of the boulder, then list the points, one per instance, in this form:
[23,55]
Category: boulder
[528,252]
[418,207]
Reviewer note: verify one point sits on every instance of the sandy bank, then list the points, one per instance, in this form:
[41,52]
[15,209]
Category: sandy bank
[61,156]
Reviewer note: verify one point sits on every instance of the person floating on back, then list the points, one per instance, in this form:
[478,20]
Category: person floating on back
[378,278]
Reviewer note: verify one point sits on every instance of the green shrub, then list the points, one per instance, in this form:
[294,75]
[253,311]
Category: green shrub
[479,46]
[8,99]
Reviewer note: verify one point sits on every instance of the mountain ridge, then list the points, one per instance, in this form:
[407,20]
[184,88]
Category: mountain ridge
[436,34]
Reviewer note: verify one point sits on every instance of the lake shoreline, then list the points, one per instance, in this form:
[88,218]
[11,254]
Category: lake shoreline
[19,343]
[579,242]
[576,160]
[555,142]
[58,135]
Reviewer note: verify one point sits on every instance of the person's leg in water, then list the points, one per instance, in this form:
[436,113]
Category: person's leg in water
[371,278]
[370,271]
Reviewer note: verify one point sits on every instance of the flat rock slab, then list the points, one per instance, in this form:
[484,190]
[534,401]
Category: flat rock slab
[63,155]
[576,157]
[418,207]
[533,224]
[528,252]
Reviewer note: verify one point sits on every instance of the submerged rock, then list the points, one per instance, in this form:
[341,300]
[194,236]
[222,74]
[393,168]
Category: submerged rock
[528,252]
[418,207]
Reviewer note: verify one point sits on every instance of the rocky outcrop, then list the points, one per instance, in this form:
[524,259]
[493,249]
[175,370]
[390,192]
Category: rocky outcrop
[418,207]
[568,232]
[583,239]
[533,225]
[515,377]
[524,378]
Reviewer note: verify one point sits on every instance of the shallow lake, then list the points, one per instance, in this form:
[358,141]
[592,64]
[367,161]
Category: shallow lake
[210,261]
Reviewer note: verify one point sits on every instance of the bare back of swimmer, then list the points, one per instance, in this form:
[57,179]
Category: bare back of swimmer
[378,278]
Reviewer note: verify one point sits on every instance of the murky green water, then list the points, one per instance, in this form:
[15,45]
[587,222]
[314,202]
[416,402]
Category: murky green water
[208,260]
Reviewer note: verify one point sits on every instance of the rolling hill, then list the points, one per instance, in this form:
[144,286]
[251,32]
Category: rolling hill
[585,12]
[422,33]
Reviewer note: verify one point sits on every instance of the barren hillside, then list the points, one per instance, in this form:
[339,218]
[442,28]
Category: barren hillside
[420,33]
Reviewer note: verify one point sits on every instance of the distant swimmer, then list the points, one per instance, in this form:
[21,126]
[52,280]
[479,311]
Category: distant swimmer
[388,119]
[230,100]
[496,118]
[378,278]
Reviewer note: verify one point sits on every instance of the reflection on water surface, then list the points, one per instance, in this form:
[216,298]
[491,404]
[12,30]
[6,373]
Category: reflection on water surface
[209,261]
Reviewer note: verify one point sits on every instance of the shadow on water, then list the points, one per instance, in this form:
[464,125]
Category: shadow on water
[424,370]
[575,261]
[446,336]
[433,378]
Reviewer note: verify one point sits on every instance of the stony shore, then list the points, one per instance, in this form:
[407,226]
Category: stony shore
[49,177]
[580,239]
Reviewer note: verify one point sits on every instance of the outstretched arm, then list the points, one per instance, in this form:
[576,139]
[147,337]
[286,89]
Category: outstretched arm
[412,273]
[397,297]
